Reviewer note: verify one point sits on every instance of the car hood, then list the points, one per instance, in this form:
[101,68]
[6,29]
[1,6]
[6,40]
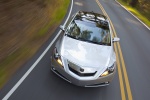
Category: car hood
[85,54]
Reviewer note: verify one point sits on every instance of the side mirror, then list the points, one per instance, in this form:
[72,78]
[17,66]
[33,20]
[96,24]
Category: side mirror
[116,39]
[62,27]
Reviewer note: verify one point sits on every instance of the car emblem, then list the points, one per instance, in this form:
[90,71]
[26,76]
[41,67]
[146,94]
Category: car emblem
[81,69]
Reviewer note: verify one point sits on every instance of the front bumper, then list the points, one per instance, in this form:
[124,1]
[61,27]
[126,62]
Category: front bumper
[100,81]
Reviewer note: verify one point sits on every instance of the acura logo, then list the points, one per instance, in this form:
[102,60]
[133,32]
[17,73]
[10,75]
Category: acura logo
[81,69]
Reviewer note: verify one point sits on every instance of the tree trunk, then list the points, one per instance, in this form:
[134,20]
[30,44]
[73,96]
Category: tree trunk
[133,3]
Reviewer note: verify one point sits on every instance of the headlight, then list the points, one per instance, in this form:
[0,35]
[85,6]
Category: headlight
[57,57]
[111,68]
[108,70]
[105,73]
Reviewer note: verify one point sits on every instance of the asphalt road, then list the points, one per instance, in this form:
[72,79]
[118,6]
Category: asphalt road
[42,84]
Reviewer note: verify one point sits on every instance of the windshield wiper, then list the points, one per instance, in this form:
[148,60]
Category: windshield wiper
[94,42]
[70,36]
[102,43]
[82,39]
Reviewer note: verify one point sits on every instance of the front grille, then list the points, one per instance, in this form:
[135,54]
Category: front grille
[81,74]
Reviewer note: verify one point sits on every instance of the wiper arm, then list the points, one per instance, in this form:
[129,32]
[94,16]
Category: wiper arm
[82,39]
[70,36]
[94,42]
[102,43]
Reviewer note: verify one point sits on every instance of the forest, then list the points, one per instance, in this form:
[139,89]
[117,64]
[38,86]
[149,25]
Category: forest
[24,26]
[143,6]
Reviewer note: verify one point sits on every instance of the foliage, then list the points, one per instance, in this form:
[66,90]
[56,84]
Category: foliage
[25,26]
[141,8]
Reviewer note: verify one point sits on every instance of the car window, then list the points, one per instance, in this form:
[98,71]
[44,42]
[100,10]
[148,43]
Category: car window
[89,31]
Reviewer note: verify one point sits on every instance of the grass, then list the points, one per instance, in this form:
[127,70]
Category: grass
[10,64]
[57,17]
[136,12]
[33,38]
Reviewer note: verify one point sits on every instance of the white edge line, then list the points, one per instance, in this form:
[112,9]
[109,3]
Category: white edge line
[36,62]
[133,15]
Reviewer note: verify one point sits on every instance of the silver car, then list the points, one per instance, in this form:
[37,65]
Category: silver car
[84,54]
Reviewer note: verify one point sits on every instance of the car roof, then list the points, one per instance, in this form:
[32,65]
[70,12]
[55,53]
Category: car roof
[93,17]
[92,14]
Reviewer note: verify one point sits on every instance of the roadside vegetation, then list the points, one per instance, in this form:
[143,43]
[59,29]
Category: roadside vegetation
[24,26]
[140,8]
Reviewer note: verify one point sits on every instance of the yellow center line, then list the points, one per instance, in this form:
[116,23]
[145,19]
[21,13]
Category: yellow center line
[118,63]
[125,74]
[120,75]
[123,66]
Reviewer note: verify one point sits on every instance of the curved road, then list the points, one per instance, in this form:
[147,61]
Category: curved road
[130,82]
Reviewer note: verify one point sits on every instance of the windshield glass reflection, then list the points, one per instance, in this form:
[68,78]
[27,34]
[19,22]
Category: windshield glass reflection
[89,30]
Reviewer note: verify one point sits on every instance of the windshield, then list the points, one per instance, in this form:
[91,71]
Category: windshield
[89,31]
